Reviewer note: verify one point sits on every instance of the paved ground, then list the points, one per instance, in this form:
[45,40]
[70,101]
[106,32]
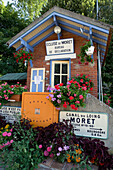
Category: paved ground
[51,164]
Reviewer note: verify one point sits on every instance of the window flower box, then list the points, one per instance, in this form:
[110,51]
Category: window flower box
[16,97]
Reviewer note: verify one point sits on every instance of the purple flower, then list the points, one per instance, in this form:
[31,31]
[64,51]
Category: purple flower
[53,99]
[51,95]
[66,148]
[57,108]
[48,88]
[59,95]
[58,154]
[68,83]
[58,101]
[47,97]
[60,149]
[59,90]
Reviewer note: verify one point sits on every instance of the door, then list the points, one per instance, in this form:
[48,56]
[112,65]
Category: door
[37,80]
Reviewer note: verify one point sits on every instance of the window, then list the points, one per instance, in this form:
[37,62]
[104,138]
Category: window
[60,72]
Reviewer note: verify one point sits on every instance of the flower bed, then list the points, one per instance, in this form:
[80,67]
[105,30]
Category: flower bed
[30,146]
[73,94]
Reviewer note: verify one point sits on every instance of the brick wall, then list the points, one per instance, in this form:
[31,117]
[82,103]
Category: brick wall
[39,61]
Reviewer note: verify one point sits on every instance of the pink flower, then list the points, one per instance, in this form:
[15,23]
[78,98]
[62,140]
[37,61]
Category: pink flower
[9,134]
[11,92]
[4,91]
[6,98]
[25,87]
[4,134]
[12,86]
[0,104]
[77,102]
[40,146]
[11,130]
[81,80]
[17,82]
[46,153]
[74,95]
[8,143]
[51,155]
[11,141]
[84,88]
[0,97]
[49,149]
[58,154]
[80,97]
[60,149]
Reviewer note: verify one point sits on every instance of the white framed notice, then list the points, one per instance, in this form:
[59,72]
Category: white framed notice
[87,124]
[62,46]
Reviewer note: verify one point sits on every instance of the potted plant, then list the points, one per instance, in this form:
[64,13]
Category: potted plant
[22,56]
[86,50]
[18,90]
[8,92]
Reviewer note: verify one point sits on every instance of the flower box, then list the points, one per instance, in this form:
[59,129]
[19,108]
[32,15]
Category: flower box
[90,50]
[16,97]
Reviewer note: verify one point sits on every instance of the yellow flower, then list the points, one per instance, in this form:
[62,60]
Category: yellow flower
[78,159]
[0,131]
[2,128]
[6,126]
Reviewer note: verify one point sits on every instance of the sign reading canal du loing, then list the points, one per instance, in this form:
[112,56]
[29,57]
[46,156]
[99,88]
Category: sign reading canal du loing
[87,124]
[63,46]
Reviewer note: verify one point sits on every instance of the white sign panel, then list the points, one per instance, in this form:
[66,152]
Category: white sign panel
[87,124]
[37,79]
[63,46]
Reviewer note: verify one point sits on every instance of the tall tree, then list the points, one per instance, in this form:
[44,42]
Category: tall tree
[29,9]
[10,25]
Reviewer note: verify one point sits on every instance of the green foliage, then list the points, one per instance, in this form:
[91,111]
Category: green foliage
[107,73]
[25,153]
[10,25]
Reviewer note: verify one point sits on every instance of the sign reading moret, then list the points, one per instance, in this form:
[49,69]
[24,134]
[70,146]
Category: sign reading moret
[10,113]
[87,124]
[63,46]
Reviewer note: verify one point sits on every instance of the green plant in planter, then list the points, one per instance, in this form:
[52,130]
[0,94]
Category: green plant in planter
[22,56]
[6,91]
[73,94]
[83,52]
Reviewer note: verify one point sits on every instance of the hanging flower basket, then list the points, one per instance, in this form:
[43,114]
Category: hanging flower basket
[90,50]
[22,56]
[86,50]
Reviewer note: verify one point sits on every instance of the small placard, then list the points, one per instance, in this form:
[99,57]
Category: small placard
[87,124]
[37,79]
[63,46]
